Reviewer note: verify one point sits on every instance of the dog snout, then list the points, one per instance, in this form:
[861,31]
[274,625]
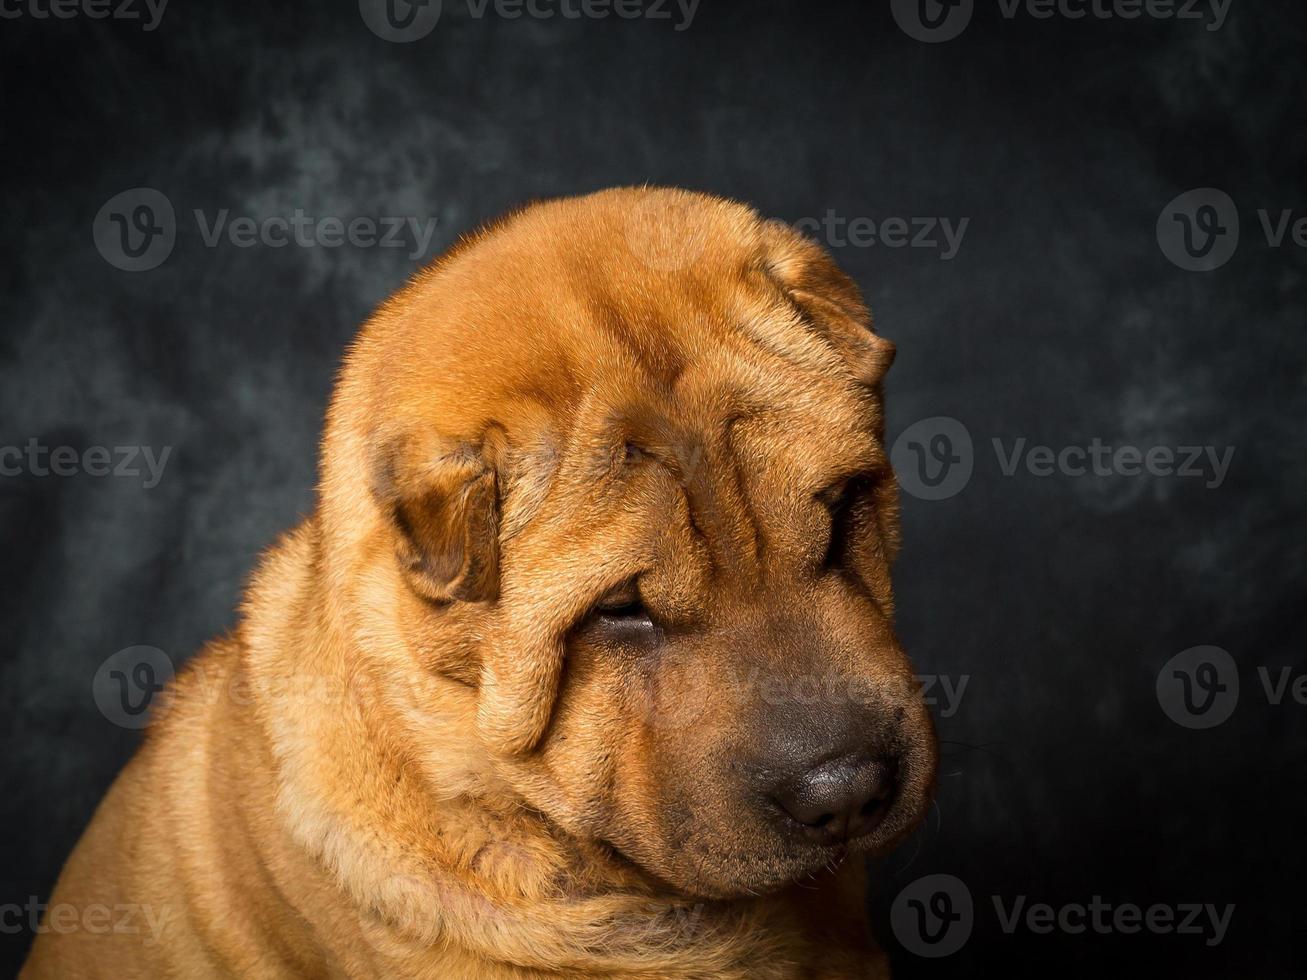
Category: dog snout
[831,770]
[836,800]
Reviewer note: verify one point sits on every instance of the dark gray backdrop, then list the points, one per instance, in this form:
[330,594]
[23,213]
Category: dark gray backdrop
[1058,600]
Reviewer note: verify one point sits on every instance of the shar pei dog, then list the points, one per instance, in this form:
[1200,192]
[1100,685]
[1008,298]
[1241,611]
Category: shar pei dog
[583,663]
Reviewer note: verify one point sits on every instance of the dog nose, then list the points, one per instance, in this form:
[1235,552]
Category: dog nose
[838,800]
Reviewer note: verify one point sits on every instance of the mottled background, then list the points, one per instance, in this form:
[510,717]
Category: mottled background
[1059,319]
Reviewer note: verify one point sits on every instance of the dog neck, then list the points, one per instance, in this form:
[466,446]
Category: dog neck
[402,809]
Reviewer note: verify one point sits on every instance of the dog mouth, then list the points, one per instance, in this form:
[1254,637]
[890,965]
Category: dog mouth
[728,875]
[702,865]
[807,859]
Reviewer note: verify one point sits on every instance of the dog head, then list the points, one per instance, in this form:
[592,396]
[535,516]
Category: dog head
[621,458]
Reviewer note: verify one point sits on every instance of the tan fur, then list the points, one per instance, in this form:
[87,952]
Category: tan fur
[412,758]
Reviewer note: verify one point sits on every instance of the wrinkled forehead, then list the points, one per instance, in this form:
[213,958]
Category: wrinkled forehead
[701,339]
[752,413]
[704,369]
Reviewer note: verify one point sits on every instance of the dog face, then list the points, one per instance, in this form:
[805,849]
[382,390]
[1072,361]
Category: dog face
[626,470]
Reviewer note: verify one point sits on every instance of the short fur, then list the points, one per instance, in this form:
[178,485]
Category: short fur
[418,755]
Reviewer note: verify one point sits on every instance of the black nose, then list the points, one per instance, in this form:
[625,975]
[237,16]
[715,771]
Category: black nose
[838,800]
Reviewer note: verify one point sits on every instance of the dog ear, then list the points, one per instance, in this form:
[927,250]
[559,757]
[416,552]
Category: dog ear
[445,512]
[830,300]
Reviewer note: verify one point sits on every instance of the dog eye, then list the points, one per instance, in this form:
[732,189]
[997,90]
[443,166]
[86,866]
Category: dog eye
[839,500]
[624,607]
[626,611]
